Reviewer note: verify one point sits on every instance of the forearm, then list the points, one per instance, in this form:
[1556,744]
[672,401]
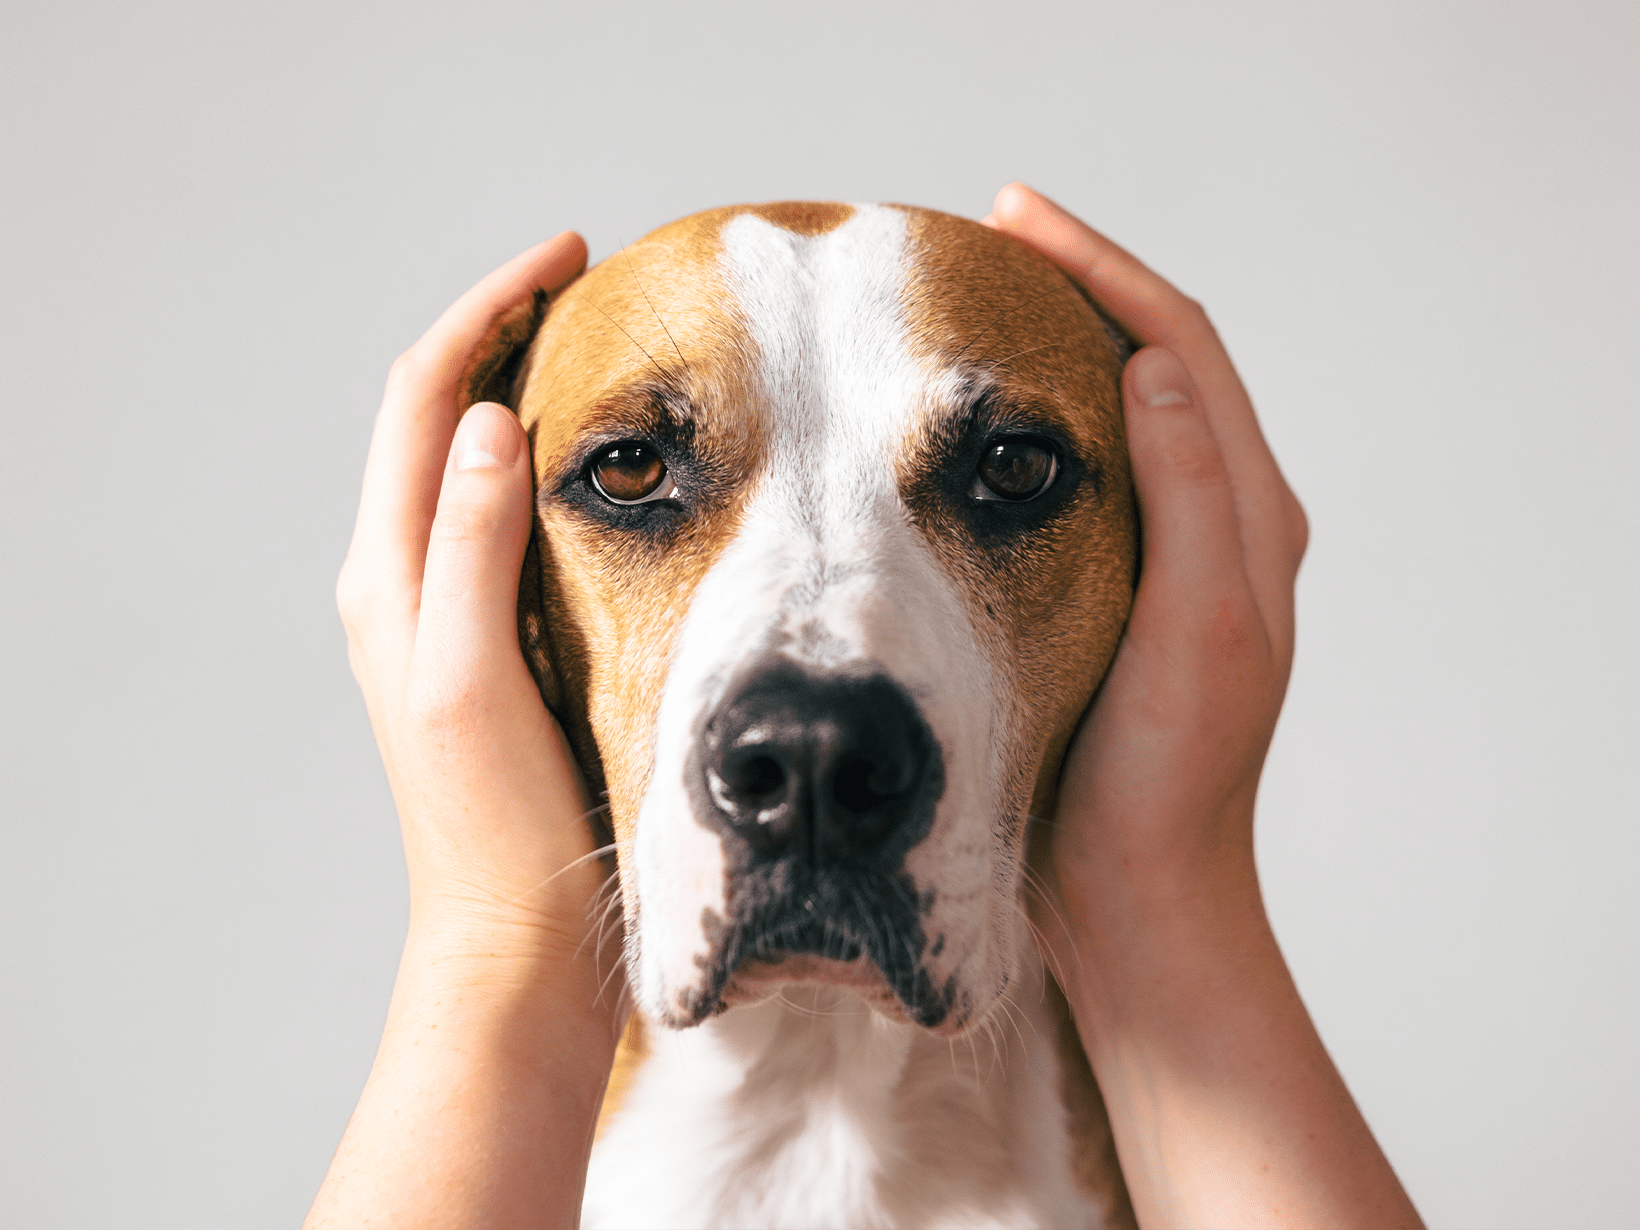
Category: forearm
[1225,1105]
[480,1107]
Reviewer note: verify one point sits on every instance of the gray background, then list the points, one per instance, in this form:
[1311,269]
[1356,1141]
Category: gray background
[1413,224]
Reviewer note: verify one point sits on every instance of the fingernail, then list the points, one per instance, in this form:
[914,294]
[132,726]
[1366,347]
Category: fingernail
[486,436]
[1159,379]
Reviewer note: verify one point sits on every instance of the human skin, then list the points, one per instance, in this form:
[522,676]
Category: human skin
[480,1108]
[1225,1105]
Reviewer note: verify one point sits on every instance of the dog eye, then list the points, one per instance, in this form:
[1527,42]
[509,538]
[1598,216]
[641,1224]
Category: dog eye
[631,473]
[1014,468]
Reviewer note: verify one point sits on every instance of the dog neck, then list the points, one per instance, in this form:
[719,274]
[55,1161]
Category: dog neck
[811,1109]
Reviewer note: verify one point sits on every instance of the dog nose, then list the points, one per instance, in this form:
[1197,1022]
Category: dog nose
[829,769]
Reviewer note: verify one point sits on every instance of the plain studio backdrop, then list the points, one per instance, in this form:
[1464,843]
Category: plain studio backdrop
[1413,224]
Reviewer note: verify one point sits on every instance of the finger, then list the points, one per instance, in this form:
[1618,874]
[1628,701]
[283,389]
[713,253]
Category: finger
[411,442]
[1192,543]
[1272,522]
[466,630]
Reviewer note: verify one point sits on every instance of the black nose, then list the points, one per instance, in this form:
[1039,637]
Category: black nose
[825,769]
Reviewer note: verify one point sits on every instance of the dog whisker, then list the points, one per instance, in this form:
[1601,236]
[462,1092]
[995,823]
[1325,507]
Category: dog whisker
[1044,956]
[1033,883]
[598,916]
[813,1010]
[633,269]
[990,1028]
[588,299]
[1015,1014]
[590,856]
[603,983]
[994,363]
[1000,317]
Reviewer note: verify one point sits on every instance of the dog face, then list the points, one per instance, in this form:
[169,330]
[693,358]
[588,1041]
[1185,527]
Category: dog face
[836,537]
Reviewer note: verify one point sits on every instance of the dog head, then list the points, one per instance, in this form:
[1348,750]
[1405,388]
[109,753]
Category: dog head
[835,539]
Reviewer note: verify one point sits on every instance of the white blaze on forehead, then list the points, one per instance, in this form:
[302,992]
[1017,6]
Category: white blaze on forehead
[826,569]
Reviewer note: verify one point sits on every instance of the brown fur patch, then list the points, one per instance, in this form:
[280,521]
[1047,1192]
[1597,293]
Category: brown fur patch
[493,366]
[804,217]
[1094,1162]
[629,1057]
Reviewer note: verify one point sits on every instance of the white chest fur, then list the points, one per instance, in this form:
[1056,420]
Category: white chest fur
[810,1110]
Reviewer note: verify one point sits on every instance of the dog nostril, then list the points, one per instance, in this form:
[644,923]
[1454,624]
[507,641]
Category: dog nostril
[819,770]
[758,780]
[860,784]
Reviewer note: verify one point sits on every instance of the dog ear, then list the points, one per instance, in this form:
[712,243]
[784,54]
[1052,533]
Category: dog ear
[495,372]
[1124,343]
[497,362]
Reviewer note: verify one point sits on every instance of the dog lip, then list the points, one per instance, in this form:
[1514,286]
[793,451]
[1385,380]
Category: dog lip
[791,922]
[756,976]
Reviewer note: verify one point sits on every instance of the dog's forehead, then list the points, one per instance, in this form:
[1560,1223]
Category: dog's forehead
[982,303]
[731,306]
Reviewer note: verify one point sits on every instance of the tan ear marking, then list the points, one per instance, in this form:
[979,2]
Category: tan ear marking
[493,367]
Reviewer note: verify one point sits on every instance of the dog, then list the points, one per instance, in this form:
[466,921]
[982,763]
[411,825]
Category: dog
[835,538]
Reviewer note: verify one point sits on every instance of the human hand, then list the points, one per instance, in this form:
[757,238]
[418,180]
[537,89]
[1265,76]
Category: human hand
[1158,786]
[488,795]
[1225,1106]
[480,1107]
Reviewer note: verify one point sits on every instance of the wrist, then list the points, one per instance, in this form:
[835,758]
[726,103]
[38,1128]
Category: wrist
[523,906]
[1159,933]
[524,958]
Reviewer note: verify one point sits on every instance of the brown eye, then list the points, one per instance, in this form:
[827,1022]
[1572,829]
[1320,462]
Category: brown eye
[1014,468]
[631,473]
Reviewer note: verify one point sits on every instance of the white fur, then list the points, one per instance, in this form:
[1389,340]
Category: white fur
[828,567]
[810,1109]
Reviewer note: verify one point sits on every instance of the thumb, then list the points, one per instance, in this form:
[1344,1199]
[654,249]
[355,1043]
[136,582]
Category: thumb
[469,591]
[1192,543]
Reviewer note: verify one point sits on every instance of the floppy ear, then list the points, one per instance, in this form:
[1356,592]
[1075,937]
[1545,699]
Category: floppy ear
[1125,343]
[495,372]
[497,361]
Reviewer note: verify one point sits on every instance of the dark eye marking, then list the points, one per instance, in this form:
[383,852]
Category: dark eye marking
[1015,468]
[630,472]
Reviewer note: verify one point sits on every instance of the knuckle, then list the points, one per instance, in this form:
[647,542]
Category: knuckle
[1195,462]
[352,597]
[1200,321]
[1298,527]
[466,522]
[406,370]
[1237,643]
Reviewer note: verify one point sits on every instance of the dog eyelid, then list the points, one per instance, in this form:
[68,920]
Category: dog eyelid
[665,491]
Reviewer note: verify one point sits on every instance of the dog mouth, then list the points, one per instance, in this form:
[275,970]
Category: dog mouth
[758,979]
[841,926]
[818,784]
